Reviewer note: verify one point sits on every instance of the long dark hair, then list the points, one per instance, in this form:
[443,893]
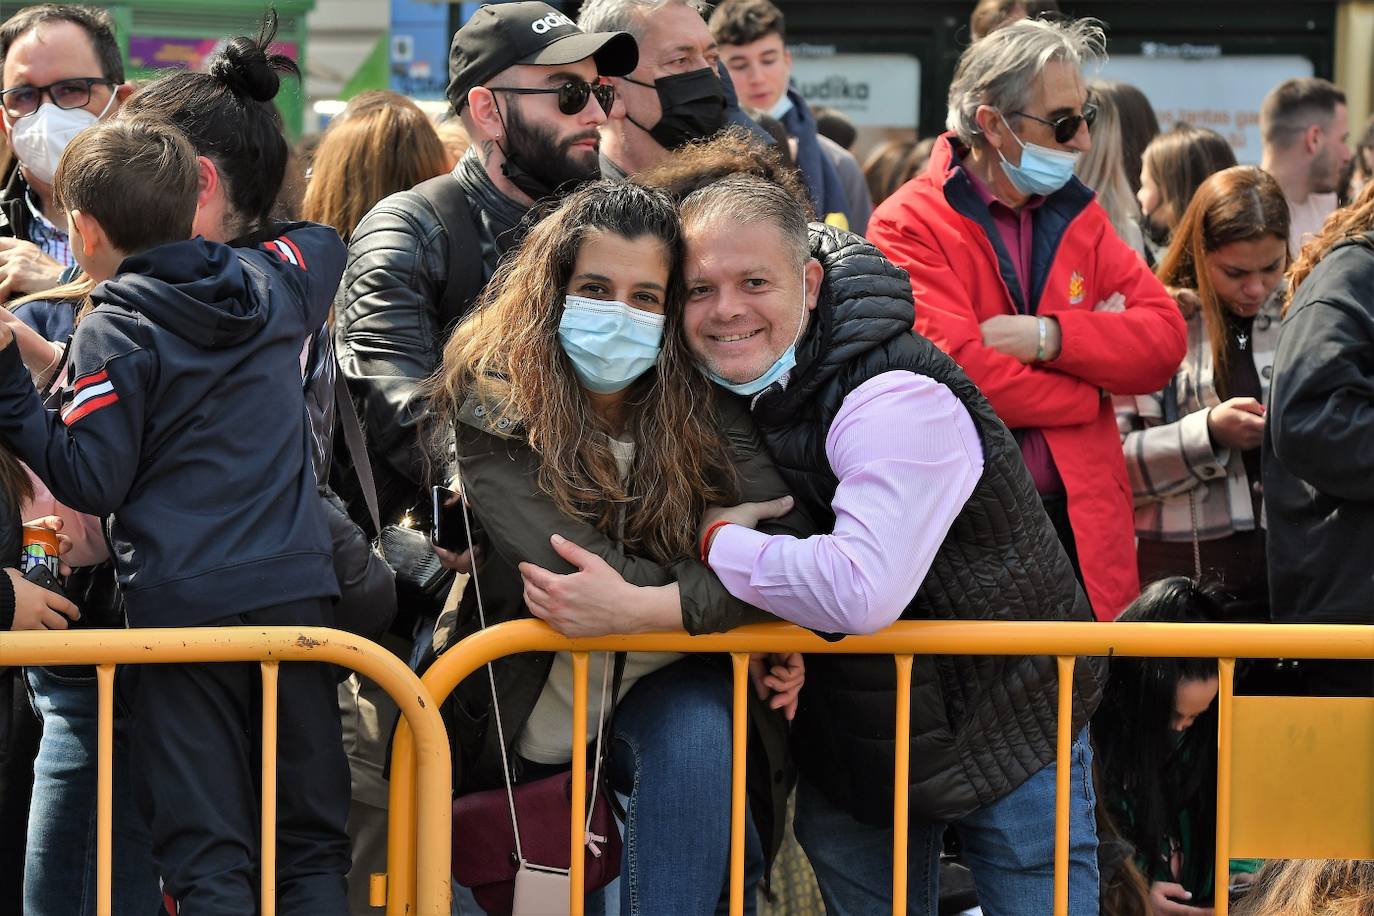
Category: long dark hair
[1144,787]
[228,116]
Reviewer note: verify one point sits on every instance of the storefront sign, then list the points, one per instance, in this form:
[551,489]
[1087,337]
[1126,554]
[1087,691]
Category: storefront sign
[1198,85]
[872,90]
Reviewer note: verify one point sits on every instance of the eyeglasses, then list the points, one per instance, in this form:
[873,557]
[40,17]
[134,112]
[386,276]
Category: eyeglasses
[572,95]
[1066,128]
[65,94]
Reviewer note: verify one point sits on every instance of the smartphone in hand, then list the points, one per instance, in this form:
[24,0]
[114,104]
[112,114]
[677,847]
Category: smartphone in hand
[450,531]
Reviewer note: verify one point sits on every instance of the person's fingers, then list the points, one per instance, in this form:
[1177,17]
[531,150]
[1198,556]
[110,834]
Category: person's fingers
[534,595]
[1249,405]
[536,575]
[52,620]
[57,603]
[458,562]
[573,553]
[773,508]
[756,676]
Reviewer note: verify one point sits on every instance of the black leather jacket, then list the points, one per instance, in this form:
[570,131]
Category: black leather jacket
[390,329]
[14,211]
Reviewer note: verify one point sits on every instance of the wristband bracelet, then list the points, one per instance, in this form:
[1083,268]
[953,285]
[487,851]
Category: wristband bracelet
[706,537]
[1044,334]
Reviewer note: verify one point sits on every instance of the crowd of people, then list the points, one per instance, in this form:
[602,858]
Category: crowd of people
[631,342]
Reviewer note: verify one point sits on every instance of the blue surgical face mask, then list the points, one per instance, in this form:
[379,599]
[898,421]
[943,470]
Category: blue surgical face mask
[610,344]
[783,365]
[1042,170]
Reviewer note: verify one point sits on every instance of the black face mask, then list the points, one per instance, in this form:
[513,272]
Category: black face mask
[693,107]
[537,164]
[1158,235]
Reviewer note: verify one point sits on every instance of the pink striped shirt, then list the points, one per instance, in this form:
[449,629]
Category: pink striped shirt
[907,458]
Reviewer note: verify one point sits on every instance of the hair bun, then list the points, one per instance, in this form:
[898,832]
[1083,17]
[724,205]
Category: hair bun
[247,69]
[243,66]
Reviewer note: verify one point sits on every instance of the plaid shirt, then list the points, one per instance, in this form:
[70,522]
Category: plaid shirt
[1172,464]
[50,240]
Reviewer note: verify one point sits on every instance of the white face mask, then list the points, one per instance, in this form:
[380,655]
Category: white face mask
[38,139]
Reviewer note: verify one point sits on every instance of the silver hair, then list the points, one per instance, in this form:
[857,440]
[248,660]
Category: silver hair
[1000,69]
[627,15]
[743,199]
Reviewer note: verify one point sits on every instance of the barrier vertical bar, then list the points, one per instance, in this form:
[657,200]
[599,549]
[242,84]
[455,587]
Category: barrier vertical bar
[402,878]
[740,726]
[270,671]
[901,785]
[104,793]
[578,859]
[1062,766]
[1226,670]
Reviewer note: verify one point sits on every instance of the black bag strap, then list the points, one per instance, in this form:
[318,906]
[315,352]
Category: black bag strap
[357,447]
[466,276]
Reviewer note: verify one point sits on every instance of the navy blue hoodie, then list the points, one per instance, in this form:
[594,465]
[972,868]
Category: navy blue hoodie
[185,422]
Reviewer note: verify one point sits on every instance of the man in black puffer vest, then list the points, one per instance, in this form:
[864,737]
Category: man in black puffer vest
[889,446]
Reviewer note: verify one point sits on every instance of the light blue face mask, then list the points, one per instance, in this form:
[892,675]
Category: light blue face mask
[1042,170]
[610,344]
[783,365]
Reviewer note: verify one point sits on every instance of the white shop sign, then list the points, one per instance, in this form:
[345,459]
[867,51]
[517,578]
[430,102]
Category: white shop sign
[872,90]
[1208,90]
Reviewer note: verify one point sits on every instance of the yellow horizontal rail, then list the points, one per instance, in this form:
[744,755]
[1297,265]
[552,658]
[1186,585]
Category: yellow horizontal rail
[428,766]
[1064,640]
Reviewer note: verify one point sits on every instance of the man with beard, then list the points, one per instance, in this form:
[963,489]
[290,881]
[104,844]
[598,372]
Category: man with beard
[527,83]
[1305,128]
[674,95]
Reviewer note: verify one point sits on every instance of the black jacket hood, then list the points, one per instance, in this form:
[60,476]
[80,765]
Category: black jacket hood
[196,289]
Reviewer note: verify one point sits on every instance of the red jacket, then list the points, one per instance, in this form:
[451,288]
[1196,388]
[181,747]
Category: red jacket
[940,231]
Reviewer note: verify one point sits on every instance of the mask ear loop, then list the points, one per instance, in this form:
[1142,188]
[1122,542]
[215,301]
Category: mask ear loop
[114,94]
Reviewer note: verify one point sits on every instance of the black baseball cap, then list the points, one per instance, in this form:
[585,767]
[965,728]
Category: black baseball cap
[501,35]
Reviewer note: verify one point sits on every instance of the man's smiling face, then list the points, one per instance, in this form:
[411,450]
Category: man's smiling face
[745,299]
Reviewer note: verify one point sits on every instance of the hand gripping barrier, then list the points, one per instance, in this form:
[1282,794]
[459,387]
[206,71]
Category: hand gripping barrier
[429,763]
[1353,826]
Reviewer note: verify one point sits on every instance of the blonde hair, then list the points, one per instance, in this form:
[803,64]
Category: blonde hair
[379,144]
[1102,167]
[1311,887]
[507,355]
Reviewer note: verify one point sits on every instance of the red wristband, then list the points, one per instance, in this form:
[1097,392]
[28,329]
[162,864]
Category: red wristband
[706,538]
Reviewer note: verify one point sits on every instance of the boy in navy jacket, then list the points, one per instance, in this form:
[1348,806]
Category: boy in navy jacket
[185,424]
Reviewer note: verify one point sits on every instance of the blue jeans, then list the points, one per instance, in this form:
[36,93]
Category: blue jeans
[59,869]
[1008,845]
[670,754]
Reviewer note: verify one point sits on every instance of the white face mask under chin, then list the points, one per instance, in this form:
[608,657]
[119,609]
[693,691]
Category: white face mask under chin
[39,139]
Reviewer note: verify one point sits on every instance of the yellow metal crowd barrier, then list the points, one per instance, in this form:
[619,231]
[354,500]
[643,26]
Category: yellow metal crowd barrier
[1352,828]
[429,765]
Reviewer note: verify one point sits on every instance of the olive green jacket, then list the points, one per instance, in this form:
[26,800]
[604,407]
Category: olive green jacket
[499,475]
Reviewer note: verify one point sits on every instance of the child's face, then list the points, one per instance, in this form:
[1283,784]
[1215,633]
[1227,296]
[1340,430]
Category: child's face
[91,247]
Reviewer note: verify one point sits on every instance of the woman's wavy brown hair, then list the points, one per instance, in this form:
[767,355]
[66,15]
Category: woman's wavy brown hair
[507,354]
[1238,204]
[379,144]
[1346,223]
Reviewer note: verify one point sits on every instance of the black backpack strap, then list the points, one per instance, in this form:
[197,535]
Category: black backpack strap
[466,276]
[357,447]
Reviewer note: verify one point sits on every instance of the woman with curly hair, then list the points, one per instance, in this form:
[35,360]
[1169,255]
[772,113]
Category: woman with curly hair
[585,437]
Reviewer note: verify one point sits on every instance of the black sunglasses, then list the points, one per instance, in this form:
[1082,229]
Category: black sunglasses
[65,94]
[1066,128]
[572,95]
